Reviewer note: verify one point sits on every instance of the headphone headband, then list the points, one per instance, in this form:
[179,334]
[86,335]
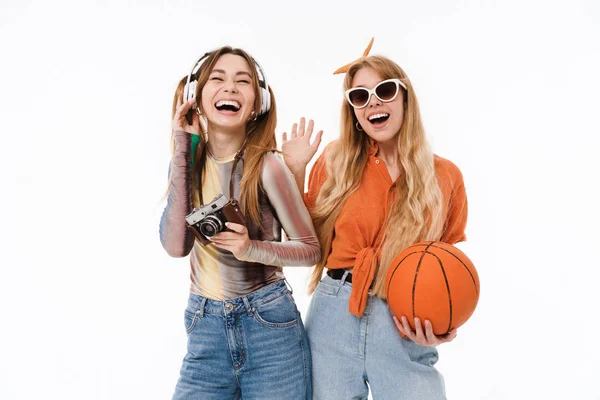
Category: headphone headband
[265,97]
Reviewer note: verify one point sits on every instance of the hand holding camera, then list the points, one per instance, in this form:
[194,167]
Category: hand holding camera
[222,223]
[235,239]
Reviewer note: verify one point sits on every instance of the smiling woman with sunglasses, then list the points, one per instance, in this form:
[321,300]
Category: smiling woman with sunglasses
[372,193]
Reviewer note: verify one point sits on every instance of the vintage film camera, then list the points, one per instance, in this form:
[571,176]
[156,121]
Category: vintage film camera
[208,220]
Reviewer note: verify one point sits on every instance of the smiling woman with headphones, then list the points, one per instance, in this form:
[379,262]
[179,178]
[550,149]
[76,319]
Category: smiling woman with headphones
[229,198]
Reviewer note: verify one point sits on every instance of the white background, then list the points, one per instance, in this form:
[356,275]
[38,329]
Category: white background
[91,306]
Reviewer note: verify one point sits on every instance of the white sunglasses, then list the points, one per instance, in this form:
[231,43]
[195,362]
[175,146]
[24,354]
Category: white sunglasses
[385,91]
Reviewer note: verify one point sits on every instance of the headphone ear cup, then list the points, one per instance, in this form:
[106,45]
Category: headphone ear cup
[265,98]
[190,90]
[265,95]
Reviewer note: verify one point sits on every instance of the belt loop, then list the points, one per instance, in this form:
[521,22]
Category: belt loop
[201,308]
[289,286]
[248,306]
[346,273]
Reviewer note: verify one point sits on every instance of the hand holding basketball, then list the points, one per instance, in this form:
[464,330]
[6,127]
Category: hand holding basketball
[432,281]
[423,336]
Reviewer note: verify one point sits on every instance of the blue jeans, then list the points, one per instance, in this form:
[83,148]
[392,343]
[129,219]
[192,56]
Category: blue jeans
[251,347]
[348,352]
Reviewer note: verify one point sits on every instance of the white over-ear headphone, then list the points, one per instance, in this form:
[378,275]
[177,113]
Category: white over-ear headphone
[265,97]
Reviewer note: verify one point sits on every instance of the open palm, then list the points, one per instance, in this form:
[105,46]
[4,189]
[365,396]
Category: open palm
[298,150]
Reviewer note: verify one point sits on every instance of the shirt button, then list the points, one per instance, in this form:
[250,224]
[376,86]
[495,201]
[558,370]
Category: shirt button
[376,161]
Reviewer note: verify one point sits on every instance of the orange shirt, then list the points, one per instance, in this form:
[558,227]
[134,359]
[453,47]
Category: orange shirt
[359,229]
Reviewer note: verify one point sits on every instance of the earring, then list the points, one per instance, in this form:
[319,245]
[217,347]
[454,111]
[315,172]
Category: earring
[358,126]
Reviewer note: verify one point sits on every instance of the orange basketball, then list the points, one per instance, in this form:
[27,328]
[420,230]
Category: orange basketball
[434,281]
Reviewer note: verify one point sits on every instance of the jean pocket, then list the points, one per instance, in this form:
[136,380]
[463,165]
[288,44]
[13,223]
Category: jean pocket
[425,355]
[328,289]
[189,320]
[279,313]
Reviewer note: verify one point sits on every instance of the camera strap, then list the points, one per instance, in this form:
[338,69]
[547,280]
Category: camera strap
[238,156]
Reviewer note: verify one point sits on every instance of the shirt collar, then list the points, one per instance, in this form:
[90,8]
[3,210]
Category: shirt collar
[373,147]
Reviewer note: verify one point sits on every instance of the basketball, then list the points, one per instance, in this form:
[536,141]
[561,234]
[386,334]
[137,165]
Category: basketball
[434,281]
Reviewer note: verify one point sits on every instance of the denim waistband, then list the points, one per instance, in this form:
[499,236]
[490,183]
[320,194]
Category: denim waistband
[344,281]
[245,303]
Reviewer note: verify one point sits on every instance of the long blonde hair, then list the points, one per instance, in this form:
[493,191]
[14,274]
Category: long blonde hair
[415,214]
[260,137]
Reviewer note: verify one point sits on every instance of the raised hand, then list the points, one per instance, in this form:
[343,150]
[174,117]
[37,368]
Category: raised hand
[298,150]
[180,122]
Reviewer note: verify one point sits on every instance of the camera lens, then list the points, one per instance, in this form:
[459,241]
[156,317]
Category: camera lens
[211,226]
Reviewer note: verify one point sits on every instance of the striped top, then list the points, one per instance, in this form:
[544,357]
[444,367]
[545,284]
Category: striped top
[216,273]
